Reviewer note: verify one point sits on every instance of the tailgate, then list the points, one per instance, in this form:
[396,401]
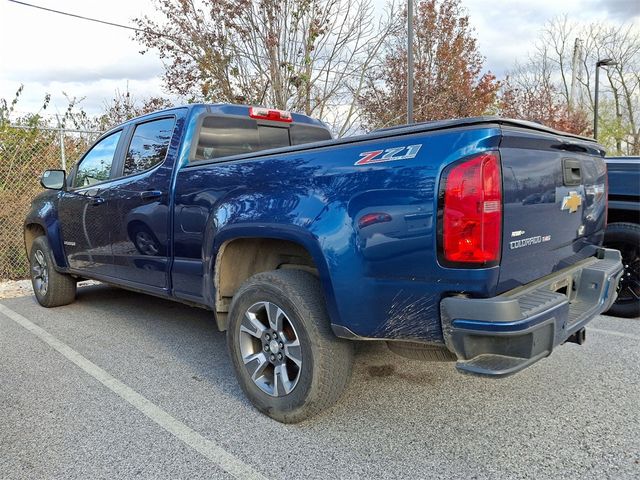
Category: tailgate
[554,203]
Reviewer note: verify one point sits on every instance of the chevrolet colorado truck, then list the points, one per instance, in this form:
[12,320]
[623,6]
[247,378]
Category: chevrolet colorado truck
[475,240]
[623,230]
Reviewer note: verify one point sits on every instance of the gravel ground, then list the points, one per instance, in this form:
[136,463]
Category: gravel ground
[23,288]
[575,414]
[15,288]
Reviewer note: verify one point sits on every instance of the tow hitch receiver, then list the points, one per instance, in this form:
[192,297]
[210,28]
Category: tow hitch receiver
[578,337]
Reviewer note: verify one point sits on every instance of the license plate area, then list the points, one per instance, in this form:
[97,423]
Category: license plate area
[564,286]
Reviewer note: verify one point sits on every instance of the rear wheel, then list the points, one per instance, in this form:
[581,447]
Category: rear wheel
[287,360]
[51,288]
[626,238]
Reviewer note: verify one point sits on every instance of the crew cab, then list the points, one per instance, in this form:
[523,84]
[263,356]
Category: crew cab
[475,240]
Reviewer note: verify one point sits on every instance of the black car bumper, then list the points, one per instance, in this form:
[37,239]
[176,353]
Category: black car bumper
[502,335]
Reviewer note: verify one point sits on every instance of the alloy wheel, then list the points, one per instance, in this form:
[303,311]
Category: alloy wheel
[270,349]
[40,273]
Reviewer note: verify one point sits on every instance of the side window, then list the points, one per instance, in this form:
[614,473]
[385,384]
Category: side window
[226,136]
[148,146]
[96,165]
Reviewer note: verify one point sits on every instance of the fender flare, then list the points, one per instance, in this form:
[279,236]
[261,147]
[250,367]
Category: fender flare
[51,226]
[214,241]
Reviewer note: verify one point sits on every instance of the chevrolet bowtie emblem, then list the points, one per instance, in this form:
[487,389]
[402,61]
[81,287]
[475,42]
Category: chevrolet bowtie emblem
[571,202]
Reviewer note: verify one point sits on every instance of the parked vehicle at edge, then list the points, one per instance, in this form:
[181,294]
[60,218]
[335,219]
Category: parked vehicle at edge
[623,230]
[474,240]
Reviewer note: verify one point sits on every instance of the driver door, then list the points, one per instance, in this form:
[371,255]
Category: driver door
[84,209]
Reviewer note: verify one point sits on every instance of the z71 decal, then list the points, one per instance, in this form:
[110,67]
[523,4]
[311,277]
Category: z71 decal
[389,155]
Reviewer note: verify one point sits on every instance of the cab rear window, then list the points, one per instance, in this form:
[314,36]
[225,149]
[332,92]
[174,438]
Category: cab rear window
[307,134]
[226,136]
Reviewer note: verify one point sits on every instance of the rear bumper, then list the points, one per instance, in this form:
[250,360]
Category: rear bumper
[502,335]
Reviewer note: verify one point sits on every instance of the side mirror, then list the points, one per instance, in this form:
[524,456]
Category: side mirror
[53,179]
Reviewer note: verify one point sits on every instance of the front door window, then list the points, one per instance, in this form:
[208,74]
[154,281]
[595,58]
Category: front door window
[95,167]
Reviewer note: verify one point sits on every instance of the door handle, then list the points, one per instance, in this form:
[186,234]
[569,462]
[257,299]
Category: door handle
[150,194]
[97,201]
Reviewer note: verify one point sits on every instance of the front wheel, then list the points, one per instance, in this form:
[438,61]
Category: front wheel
[286,358]
[51,288]
[626,238]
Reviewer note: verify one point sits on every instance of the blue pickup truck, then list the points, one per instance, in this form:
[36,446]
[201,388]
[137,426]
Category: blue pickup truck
[475,240]
[623,230]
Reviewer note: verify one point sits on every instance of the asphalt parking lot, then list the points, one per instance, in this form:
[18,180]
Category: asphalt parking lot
[121,385]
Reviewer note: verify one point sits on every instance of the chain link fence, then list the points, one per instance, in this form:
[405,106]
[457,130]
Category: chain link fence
[25,152]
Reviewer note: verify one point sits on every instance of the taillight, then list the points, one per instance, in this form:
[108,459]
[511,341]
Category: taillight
[471,209]
[270,114]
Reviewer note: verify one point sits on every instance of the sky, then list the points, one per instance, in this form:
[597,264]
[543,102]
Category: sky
[54,54]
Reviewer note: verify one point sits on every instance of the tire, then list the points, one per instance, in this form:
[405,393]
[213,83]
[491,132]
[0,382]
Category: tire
[294,298]
[422,352]
[51,288]
[626,238]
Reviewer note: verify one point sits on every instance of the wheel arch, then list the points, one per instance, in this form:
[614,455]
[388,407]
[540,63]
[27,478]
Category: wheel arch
[254,249]
[33,229]
[42,219]
[31,232]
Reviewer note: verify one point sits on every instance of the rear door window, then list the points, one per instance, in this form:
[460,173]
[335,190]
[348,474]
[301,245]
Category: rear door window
[148,146]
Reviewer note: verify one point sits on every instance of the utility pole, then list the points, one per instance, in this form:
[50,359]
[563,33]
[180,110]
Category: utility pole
[409,61]
[575,72]
[63,158]
[605,62]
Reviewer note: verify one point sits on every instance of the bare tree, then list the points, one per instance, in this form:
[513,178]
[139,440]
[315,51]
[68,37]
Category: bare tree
[124,106]
[622,44]
[533,96]
[550,66]
[555,48]
[303,55]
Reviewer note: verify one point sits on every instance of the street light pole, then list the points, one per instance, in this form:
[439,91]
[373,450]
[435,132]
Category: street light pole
[605,62]
[409,61]
[595,105]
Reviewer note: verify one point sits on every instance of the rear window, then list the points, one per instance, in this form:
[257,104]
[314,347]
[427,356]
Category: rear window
[306,134]
[226,136]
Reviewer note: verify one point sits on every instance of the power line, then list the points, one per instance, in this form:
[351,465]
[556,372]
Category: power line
[152,32]
[90,19]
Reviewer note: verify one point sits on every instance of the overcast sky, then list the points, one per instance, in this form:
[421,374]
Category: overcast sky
[50,53]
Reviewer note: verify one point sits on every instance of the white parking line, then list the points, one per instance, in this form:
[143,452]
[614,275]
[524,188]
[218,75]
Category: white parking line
[209,449]
[612,332]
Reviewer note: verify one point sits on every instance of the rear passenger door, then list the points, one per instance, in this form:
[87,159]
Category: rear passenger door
[141,245]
